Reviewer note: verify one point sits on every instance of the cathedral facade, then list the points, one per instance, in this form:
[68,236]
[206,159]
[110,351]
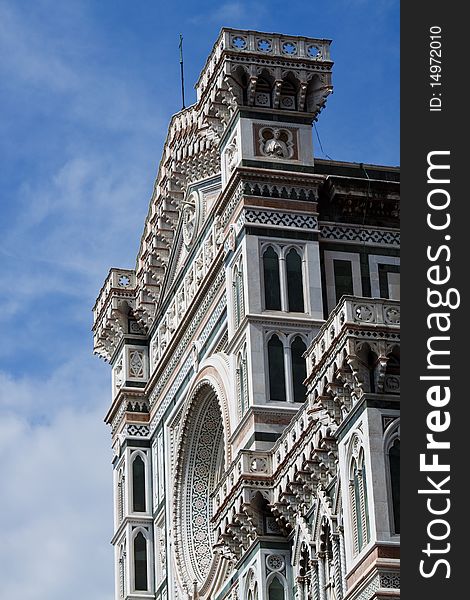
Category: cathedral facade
[255,350]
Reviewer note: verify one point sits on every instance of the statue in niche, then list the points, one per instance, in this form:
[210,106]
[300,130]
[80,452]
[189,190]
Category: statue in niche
[190,218]
[232,155]
[276,143]
[218,231]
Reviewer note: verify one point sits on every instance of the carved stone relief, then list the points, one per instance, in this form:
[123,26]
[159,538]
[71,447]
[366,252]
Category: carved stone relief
[190,217]
[275,142]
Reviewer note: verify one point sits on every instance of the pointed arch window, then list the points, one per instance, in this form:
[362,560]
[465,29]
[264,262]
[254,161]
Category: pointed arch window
[138,484]
[140,563]
[286,367]
[276,590]
[277,379]
[394,466]
[288,95]
[238,295]
[242,383]
[272,284]
[122,571]
[295,287]
[358,502]
[299,369]
[283,278]
[120,496]
[263,96]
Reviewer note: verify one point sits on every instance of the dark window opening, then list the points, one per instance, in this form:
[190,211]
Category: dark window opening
[277,381]
[394,460]
[138,484]
[140,562]
[272,286]
[276,590]
[384,270]
[343,278]
[299,369]
[295,292]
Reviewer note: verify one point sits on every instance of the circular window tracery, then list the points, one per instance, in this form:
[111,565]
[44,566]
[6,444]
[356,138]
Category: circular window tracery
[200,465]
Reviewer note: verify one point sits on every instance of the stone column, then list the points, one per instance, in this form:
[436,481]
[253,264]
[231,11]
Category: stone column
[342,553]
[337,566]
[283,283]
[314,579]
[300,589]
[288,372]
[321,576]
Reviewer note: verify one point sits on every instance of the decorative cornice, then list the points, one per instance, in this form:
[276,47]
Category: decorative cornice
[358,234]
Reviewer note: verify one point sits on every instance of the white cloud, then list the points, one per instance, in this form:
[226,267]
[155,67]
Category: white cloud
[71,220]
[55,513]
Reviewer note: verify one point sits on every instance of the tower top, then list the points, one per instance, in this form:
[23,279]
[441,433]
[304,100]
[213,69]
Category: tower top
[257,96]
[270,71]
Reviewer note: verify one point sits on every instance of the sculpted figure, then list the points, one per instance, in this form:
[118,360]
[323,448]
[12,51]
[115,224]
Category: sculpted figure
[276,146]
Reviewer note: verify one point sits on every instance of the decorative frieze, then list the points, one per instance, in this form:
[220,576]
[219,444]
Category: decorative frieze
[133,430]
[357,234]
[272,218]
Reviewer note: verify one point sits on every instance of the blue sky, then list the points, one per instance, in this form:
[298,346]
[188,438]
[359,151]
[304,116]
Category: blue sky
[87,91]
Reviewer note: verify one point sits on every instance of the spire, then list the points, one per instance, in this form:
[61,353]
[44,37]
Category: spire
[182,70]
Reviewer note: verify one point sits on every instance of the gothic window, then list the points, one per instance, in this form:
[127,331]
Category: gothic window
[242,383]
[277,380]
[295,292]
[394,466]
[120,496]
[287,368]
[272,285]
[238,299]
[140,563]
[138,484]
[299,368]
[288,98]
[122,571]
[276,590]
[283,279]
[358,502]
[263,92]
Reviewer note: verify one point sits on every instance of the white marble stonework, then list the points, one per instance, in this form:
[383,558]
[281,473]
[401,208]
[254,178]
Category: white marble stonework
[223,490]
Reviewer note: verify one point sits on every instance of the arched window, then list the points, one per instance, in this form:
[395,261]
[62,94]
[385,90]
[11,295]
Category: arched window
[394,465]
[122,571]
[140,563]
[263,92]
[276,590]
[358,501]
[120,496]
[238,300]
[138,484]
[272,286]
[295,288]
[277,379]
[299,369]
[242,383]
[288,95]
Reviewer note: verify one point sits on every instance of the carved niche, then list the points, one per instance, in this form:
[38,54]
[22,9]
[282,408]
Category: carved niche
[275,142]
[190,218]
